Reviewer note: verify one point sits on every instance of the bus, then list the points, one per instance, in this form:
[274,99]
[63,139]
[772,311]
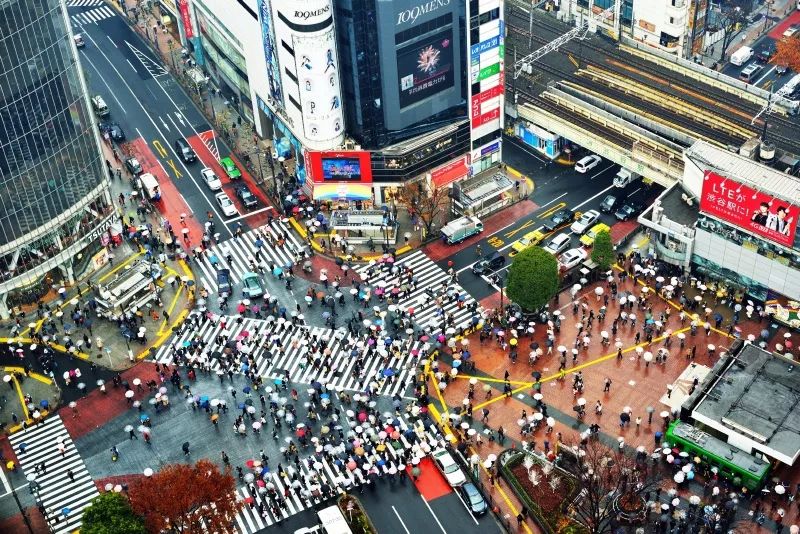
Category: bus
[733,463]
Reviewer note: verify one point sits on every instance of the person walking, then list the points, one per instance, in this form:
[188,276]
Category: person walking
[607,385]
[185,448]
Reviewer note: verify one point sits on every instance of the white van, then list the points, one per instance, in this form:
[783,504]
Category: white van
[742,56]
[587,163]
[99,106]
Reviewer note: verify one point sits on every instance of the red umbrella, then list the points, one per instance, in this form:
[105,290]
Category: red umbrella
[362,416]
[240,308]
[260,483]
[250,463]
[248,500]
[301,432]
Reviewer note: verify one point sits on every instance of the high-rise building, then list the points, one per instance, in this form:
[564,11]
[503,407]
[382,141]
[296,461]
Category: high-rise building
[55,205]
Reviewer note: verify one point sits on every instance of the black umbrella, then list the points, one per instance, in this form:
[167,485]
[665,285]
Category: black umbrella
[536,374]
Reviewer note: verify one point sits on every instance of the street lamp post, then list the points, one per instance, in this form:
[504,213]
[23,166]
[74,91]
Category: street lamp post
[22,510]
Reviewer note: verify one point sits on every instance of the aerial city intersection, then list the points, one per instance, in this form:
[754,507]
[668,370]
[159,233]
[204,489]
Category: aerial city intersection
[348,266]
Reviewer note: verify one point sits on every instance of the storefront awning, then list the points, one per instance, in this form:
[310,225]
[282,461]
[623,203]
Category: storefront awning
[447,174]
[342,191]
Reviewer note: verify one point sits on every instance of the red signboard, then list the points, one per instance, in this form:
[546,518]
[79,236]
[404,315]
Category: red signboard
[479,120]
[345,166]
[480,98]
[183,6]
[449,173]
[760,213]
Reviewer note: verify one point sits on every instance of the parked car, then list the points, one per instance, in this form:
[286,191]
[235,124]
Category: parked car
[230,168]
[249,200]
[78,40]
[572,258]
[587,163]
[113,130]
[628,211]
[559,220]
[487,265]
[472,496]
[224,282]
[588,238]
[133,166]
[251,285]
[558,244]
[226,204]
[781,69]
[185,151]
[585,222]
[531,239]
[449,468]
[211,179]
[765,54]
[792,30]
[610,203]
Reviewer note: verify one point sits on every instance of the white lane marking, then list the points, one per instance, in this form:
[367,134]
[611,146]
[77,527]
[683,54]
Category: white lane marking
[434,515]
[187,204]
[469,512]
[250,213]
[401,520]
[131,64]
[112,41]
[113,95]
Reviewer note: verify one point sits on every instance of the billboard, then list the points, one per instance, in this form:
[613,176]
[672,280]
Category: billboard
[183,8]
[425,68]
[762,214]
[350,166]
[270,54]
[339,169]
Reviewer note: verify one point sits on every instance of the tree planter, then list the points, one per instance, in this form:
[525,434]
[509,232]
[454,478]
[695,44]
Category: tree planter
[630,508]
[355,516]
[545,490]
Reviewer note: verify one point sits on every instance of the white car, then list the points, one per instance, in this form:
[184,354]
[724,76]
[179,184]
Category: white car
[227,205]
[211,179]
[572,258]
[791,30]
[586,221]
[449,467]
[558,244]
[587,163]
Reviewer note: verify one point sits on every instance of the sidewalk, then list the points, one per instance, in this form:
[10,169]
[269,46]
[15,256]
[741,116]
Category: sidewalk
[772,16]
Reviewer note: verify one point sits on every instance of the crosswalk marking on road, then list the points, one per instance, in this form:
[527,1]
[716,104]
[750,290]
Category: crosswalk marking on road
[56,492]
[242,250]
[294,360]
[84,3]
[210,140]
[249,520]
[92,16]
[429,277]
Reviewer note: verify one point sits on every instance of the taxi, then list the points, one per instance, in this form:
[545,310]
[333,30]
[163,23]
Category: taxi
[531,239]
[588,238]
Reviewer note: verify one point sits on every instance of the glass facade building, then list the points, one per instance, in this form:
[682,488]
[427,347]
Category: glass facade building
[53,186]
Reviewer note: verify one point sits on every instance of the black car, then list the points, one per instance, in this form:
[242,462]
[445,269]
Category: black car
[561,219]
[472,495]
[628,211]
[185,151]
[490,264]
[224,282]
[133,166]
[610,203]
[113,130]
[765,55]
[781,69]
[246,196]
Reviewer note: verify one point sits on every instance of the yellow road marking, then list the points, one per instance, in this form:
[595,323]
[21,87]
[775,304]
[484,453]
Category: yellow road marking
[35,376]
[169,311]
[21,397]
[160,148]
[523,226]
[171,163]
[552,210]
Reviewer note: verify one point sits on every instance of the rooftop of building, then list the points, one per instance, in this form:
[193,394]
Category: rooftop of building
[676,209]
[756,393]
[744,170]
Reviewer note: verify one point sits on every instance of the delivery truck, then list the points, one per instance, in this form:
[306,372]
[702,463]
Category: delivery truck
[742,56]
[460,229]
[625,177]
[149,185]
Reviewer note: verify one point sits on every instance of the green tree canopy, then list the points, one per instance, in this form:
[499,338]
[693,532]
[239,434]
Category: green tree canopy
[603,250]
[111,513]
[532,278]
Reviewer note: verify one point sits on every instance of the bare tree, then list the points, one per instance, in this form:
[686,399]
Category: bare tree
[610,482]
[732,20]
[428,202]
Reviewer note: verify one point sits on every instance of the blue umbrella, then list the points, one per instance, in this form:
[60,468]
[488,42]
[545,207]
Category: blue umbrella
[259,243]
[381,462]
[388,372]
[387,341]
[43,403]
[456,364]
[277,271]
[187,343]
[66,510]
[246,389]
[466,355]
[325,396]
[144,417]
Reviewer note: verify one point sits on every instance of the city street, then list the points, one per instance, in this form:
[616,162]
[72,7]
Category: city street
[154,112]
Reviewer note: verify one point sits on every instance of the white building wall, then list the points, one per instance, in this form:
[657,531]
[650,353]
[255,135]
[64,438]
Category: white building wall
[652,17]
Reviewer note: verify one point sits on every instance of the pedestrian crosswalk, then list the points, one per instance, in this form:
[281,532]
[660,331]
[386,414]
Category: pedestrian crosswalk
[318,477]
[237,254]
[92,16]
[432,282]
[85,3]
[63,499]
[273,348]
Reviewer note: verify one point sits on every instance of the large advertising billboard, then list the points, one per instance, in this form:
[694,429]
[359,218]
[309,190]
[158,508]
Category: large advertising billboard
[425,68]
[762,214]
[340,166]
